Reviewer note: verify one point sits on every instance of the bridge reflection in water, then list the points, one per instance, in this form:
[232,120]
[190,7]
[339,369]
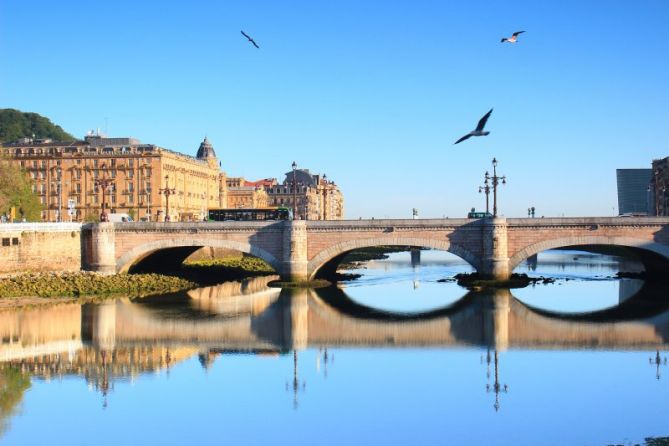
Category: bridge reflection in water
[122,339]
[248,316]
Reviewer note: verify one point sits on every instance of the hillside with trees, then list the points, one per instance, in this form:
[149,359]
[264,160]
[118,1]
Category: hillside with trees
[15,124]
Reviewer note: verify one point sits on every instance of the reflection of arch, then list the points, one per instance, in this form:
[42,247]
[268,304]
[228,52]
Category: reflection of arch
[333,251]
[333,302]
[629,242]
[140,252]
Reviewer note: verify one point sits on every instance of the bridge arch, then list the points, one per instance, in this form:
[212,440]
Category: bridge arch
[643,246]
[139,252]
[336,250]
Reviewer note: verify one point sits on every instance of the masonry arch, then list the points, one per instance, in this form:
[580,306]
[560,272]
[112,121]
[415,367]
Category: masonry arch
[653,255]
[183,247]
[335,253]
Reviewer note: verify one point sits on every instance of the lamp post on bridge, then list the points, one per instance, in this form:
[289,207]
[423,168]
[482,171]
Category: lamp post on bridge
[103,184]
[530,212]
[294,166]
[167,191]
[486,189]
[495,181]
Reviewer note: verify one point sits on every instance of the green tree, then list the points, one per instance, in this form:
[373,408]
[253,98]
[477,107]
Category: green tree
[16,192]
[15,124]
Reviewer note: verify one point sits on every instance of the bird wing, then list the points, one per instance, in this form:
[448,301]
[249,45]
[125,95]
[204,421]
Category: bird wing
[463,138]
[483,120]
[254,43]
[246,35]
[504,39]
[517,32]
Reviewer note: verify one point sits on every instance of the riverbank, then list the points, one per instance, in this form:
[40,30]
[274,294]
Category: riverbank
[32,289]
[77,284]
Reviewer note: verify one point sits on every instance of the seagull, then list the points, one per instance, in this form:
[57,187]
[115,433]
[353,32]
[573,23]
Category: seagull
[513,38]
[254,42]
[478,131]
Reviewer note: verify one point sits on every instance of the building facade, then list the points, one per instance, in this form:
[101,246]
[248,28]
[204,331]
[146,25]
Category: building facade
[76,180]
[634,191]
[311,197]
[659,187]
[244,194]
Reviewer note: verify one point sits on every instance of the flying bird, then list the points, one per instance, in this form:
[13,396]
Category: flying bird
[478,131]
[513,38]
[250,39]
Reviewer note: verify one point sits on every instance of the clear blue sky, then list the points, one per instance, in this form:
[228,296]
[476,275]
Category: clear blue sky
[373,93]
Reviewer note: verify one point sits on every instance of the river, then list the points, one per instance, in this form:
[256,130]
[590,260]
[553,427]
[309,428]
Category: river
[401,355]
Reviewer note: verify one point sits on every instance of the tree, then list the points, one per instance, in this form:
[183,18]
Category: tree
[16,192]
[15,124]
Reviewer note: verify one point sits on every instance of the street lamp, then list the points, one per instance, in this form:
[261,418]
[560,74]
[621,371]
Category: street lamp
[494,179]
[167,191]
[148,203]
[294,165]
[530,212]
[486,189]
[60,195]
[103,184]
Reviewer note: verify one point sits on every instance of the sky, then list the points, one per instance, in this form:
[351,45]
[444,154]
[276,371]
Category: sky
[372,93]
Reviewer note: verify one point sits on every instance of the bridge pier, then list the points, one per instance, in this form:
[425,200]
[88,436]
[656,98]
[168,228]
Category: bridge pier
[495,261]
[294,265]
[103,248]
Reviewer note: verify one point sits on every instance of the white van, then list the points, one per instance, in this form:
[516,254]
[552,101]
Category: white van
[118,218]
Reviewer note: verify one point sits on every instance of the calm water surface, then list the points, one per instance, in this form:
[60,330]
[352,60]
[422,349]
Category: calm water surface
[395,357]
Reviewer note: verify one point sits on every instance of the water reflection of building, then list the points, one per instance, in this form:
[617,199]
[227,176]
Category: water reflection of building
[121,339]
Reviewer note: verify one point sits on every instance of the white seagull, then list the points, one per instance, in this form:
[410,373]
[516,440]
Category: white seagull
[513,38]
[478,131]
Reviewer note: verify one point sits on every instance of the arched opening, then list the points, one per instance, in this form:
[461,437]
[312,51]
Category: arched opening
[398,278]
[235,260]
[325,264]
[593,273]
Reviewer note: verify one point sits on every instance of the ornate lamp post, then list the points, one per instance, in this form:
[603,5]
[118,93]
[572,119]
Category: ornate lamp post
[495,180]
[148,203]
[60,195]
[486,189]
[103,184]
[294,166]
[167,191]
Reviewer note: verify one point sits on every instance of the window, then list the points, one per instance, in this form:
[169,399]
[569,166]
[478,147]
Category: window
[5,241]
[130,173]
[131,163]
[131,199]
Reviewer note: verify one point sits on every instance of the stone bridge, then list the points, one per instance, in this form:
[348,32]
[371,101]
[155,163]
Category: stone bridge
[301,250]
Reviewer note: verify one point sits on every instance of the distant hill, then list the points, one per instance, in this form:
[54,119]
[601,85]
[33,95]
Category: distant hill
[15,124]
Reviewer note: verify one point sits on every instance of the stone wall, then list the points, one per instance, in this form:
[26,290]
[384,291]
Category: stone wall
[33,247]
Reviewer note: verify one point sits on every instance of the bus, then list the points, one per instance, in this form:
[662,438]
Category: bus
[250,214]
[474,214]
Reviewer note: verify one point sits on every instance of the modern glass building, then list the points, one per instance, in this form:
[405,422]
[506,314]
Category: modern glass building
[633,191]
